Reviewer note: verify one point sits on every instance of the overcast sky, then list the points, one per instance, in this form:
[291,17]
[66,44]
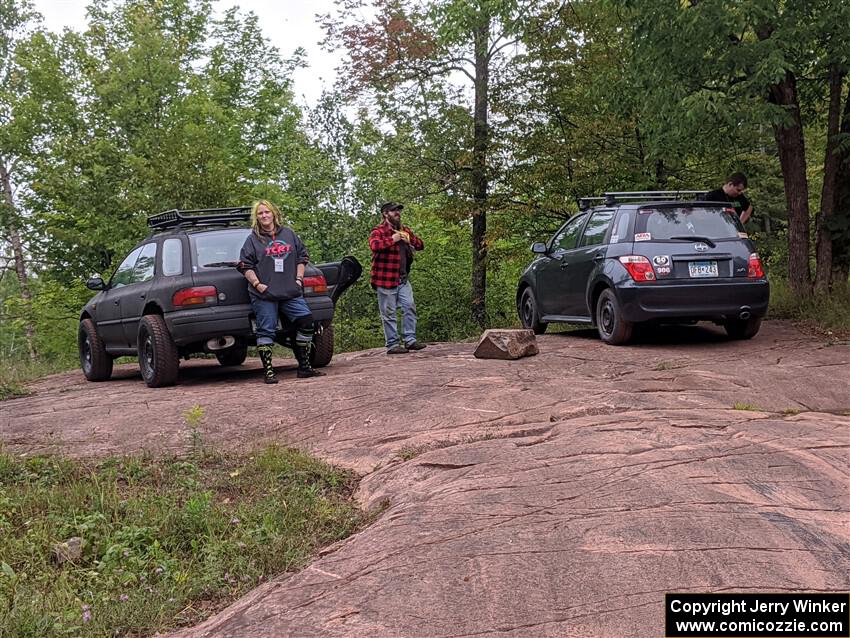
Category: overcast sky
[289,24]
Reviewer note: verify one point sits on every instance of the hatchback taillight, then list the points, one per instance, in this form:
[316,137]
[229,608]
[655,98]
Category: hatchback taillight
[315,284]
[755,271]
[639,267]
[194,296]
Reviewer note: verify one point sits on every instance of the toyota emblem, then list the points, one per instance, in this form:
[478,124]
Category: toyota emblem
[700,247]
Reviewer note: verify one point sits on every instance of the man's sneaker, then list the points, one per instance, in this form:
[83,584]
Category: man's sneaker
[416,346]
[398,349]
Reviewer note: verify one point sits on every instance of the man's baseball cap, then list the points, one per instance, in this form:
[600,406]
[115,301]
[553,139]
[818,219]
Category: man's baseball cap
[388,206]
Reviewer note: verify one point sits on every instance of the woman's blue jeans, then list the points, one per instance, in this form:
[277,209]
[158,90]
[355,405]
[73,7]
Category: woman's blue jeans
[266,315]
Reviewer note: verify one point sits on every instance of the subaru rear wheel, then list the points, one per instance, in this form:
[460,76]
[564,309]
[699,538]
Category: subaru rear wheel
[323,347]
[158,358]
[528,314]
[613,329]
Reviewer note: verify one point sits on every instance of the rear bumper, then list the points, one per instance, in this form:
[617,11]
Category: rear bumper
[200,324]
[717,300]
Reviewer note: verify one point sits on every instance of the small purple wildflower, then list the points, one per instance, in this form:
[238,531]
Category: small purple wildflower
[86,615]
[159,570]
[123,598]
[126,553]
[234,521]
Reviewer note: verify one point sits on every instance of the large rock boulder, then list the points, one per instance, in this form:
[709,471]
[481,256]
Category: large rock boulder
[506,344]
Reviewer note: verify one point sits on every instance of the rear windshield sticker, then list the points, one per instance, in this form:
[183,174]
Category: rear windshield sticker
[615,239]
[646,211]
[662,270]
[661,260]
[643,237]
[743,235]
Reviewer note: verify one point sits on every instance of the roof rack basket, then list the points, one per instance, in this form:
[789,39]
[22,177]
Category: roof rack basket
[176,218]
[612,198]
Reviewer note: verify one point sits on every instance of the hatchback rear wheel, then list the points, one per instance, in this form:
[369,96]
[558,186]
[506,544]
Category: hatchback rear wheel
[158,358]
[612,328]
[528,313]
[743,328]
[323,347]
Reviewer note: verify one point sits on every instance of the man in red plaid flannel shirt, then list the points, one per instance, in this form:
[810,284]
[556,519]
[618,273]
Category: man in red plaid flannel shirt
[392,247]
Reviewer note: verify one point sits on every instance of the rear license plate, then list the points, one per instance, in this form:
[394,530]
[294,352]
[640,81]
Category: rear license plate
[702,268]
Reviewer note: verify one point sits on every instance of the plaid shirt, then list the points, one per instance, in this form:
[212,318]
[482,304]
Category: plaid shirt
[386,255]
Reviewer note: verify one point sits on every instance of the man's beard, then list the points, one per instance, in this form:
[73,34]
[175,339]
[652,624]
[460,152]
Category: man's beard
[395,223]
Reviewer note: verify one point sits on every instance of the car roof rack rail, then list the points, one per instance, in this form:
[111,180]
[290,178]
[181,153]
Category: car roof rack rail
[176,218]
[615,197]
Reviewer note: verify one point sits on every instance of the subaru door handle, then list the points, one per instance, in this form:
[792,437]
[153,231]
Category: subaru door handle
[599,258]
[564,264]
[142,295]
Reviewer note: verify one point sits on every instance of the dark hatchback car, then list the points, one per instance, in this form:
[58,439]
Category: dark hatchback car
[178,293]
[652,259]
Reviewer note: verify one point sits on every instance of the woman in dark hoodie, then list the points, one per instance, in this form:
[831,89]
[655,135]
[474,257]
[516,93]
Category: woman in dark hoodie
[273,259]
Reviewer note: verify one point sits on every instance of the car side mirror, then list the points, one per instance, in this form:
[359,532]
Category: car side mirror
[96,283]
[538,248]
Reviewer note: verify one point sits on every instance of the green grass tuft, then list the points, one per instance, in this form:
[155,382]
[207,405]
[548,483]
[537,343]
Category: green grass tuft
[746,406]
[166,542]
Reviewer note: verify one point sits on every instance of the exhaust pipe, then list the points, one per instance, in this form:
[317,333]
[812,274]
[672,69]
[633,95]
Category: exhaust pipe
[744,315]
[220,343]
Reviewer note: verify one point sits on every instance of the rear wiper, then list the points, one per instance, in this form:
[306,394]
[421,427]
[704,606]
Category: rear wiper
[705,240]
[221,264]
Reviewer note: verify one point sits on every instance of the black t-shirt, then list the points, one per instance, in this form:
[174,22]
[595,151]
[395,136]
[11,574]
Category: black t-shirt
[739,203]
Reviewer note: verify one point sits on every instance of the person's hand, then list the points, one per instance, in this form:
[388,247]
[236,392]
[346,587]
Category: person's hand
[397,237]
[405,236]
[261,288]
[300,282]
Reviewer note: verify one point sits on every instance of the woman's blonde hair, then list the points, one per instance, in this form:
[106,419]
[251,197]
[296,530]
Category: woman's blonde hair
[278,217]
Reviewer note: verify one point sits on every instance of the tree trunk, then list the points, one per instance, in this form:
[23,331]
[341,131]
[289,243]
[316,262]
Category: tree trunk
[828,201]
[481,135]
[841,245]
[14,238]
[792,159]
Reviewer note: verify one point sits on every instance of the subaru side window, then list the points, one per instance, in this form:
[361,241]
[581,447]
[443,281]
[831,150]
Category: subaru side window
[567,237]
[597,226]
[621,229]
[144,269]
[172,256]
[124,274]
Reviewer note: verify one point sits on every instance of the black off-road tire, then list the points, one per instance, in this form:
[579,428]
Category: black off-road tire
[94,360]
[323,347]
[743,328]
[528,313]
[233,356]
[612,328]
[158,359]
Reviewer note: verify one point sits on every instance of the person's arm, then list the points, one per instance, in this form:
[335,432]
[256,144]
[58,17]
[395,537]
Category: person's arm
[247,264]
[378,241]
[417,243]
[748,209]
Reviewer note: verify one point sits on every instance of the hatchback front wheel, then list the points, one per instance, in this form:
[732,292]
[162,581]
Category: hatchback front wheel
[528,313]
[613,329]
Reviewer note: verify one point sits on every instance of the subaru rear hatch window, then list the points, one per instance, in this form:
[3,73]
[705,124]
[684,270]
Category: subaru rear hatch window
[656,223]
[217,249]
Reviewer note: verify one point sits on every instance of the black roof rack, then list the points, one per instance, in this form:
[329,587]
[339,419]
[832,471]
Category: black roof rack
[615,197]
[199,217]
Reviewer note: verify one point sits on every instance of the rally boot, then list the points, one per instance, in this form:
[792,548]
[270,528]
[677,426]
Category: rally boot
[305,370]
[265,353]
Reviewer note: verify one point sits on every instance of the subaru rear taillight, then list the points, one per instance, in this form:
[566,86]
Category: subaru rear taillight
[639,267]
[194,296]
[755,271]
[315,284]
